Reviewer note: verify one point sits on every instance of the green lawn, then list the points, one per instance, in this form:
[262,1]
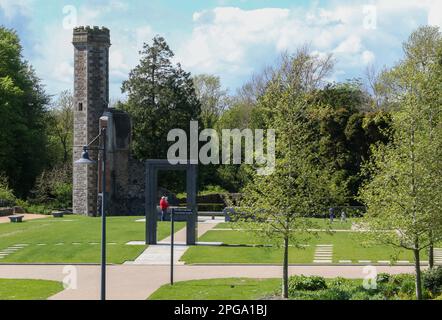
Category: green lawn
[28,289]
[74,239]
[346,246]
[218,289]
[316,224]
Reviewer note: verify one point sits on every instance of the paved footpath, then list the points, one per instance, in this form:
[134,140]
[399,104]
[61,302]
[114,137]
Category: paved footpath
[137,282]
[160,254]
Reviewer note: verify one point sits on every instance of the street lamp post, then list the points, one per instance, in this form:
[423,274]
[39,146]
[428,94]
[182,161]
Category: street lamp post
[85,160]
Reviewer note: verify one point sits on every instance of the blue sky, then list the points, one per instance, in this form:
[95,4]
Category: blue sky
[229,38]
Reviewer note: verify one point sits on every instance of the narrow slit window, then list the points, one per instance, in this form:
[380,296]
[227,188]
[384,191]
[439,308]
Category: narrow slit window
[80,106]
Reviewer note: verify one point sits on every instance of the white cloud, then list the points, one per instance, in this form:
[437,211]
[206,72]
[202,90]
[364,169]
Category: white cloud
[368,57]
[231,41]
[435,14]
[11,8]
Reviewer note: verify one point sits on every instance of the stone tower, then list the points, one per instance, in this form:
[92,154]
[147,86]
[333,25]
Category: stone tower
[91,96]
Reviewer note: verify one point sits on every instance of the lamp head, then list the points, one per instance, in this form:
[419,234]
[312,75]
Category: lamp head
[85,158]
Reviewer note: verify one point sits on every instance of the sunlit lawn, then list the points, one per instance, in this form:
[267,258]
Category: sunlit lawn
[218,289]
[246,247]
[75,239]
[11,289]
[316,223]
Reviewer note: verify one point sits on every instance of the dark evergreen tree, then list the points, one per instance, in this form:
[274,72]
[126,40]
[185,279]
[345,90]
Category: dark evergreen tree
[161,97]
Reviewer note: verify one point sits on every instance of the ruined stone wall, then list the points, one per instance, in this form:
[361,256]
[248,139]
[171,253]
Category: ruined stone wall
[129,196]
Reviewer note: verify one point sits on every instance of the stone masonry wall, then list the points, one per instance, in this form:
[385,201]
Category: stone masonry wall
[91,96]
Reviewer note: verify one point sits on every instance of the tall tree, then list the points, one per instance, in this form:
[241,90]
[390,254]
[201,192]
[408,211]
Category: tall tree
[298,188]
[404,188]
[62,125]
[23,113]
[419,75]
[212,97]
[161,97]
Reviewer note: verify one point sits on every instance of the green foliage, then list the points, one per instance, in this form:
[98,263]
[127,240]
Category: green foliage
[432,281]
[211,189]
[23,138]
[404,191]
[303,283]
[212,97]
[383,278]
[6,194]
[390,287]
[161,97]
[61,128]
[54,188]
[398,286]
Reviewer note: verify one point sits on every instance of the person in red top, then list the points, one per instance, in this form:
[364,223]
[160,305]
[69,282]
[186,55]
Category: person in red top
[164,205]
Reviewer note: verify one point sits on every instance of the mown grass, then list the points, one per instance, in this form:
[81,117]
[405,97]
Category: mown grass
[316,223]
[247,247]
[11,289]
[218,289]
[79,237]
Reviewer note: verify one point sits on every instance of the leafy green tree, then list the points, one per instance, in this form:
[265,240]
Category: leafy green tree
[161,97]
[23,118]
[344,133]
[404,188]
[279,203]
[419,75]
[61,126]
[212,97]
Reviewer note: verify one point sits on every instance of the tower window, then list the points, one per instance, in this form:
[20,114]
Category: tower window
[80,106]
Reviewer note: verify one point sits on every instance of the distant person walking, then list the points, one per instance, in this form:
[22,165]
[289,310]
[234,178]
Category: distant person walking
[164,205]
[343,216]
[332,215]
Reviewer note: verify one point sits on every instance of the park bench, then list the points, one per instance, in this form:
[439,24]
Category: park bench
[58,214]
[16,219]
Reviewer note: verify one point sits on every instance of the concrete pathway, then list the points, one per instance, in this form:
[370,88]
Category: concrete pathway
[160,254]
[137,282]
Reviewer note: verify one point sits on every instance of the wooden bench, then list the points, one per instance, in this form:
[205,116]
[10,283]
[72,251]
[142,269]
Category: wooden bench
[16,219]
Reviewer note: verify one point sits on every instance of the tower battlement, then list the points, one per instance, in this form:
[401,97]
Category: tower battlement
[90,34]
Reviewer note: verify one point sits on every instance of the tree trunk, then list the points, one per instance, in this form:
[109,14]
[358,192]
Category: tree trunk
[285,280]
[417,263]
[431,256]
[431,251]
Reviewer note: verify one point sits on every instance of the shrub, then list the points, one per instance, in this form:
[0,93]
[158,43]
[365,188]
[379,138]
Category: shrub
[339,282]
[34,208]
[334,294]
[432,281]
[399,286]
[63,194]
[54,187]
[367,295]
[303,283]
[6,194]
[383,278]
